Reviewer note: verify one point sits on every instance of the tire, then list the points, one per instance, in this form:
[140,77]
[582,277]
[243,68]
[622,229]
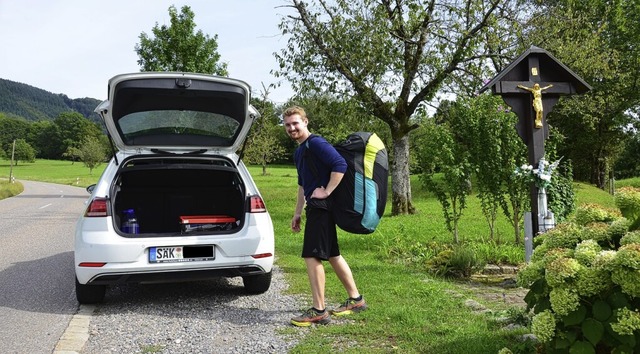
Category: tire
[257,284]
[90,294]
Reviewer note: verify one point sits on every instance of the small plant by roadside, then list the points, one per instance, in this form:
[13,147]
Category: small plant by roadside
[584,280]
[8,189]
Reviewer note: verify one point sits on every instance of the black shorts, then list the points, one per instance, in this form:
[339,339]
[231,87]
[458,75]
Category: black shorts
[320,235]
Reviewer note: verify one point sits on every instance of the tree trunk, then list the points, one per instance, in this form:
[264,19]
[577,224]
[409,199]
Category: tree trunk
[598,173]
[516,223]
[400,182]
[454,213]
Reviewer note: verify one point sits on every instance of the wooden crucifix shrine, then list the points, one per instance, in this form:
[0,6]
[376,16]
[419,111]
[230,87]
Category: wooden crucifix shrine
[531,85]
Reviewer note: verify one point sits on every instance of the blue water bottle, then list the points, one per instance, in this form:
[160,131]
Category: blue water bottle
[129,222]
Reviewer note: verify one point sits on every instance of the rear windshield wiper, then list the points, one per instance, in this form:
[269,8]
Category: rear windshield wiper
[194,152]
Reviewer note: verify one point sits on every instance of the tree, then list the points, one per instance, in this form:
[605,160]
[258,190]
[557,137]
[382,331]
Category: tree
[45,137]
[12,129]
[597,39]
[447,172]
[91,153]
[628,165]
[484,125]
[24,152]
[72,153]
[394,57]
[264,146]
[74,128]
[178,48]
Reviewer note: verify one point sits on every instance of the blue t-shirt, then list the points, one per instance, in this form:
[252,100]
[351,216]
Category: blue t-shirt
[316,150]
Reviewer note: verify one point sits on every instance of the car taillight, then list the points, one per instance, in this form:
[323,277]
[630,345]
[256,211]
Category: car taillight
[256,204]
[97,208]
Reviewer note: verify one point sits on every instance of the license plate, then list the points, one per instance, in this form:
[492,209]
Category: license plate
[181,254]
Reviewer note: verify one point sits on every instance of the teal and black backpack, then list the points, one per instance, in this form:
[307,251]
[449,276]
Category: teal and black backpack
[359,200]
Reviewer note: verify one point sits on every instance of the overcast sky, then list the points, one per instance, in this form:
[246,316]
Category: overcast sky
[73,47]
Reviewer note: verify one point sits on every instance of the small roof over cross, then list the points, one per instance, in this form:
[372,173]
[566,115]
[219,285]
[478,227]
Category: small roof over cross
[521,72]
[535,65]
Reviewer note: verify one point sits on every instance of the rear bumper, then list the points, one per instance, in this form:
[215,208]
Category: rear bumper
[115,259]
[173,276]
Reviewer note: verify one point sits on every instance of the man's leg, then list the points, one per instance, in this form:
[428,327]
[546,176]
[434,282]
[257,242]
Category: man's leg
[315,271]
[355,302]
[343,272]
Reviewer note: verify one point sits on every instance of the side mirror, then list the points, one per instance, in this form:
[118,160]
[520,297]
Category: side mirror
[91,188]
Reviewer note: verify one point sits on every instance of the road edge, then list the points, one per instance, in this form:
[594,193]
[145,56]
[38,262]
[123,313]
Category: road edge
[77,333]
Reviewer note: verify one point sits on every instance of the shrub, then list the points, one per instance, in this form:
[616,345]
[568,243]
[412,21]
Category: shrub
[8,189]
[597,231]
[588,213]
[630,237]
[457,262]
[562,196]
[628,200]
[584,283]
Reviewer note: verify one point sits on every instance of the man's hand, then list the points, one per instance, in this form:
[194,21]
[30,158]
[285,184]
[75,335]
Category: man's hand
[320,193]
[295,223]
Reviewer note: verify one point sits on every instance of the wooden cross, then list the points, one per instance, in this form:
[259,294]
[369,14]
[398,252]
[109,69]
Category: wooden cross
[516,83]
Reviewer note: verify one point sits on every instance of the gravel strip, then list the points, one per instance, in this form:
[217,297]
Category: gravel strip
[196,317]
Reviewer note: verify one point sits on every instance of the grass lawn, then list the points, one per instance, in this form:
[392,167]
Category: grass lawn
[410,310]
[54,171]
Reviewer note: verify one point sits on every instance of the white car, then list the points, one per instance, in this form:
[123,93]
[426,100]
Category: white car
[175,202]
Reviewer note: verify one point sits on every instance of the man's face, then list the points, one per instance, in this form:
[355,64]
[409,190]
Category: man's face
[296,127]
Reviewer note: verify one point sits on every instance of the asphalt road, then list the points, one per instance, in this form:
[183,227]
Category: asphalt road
[37,295]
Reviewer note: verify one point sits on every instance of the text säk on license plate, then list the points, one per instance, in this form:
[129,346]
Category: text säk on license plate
[181,254]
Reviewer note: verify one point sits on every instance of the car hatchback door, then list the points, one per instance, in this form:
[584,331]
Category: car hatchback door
[177,112]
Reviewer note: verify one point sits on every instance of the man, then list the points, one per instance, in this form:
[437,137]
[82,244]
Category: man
[320,170]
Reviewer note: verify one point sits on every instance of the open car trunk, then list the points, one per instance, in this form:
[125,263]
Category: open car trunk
[166,192]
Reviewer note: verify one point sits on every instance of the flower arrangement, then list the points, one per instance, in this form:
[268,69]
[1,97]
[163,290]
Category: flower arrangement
[540,176]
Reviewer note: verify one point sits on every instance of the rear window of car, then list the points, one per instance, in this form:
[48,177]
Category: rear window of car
[178,112]
[169,125]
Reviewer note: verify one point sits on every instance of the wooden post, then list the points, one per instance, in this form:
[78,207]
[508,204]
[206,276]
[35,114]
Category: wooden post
[13,152]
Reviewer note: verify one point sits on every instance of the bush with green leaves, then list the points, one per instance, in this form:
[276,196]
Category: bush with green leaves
[561,194]
[456,262]
[628,200]
[584,281]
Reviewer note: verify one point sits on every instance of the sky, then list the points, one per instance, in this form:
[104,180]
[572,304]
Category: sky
[74,47]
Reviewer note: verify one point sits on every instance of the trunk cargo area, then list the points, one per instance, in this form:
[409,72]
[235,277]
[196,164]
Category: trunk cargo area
[163,191]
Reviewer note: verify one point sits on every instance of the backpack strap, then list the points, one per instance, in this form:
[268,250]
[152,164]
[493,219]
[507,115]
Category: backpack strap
[305,155]
[315,203]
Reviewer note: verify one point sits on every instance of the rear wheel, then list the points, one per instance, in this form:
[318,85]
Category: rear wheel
[257,284]
[89,294]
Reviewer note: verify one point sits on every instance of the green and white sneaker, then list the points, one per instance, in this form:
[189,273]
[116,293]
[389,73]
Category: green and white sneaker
[350,306]
[311,316]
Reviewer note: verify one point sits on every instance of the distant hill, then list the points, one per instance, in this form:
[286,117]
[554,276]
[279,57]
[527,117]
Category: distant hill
[34,104]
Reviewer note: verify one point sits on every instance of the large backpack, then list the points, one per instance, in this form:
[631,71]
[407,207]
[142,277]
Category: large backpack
[359,200]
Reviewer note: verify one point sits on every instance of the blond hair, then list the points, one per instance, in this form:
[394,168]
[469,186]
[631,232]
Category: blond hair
[295,110]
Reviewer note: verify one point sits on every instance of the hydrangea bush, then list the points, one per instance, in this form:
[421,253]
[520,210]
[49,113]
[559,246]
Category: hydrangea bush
[584,280]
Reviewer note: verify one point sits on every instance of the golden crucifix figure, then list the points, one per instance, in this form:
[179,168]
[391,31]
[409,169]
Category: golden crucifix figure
[536,90]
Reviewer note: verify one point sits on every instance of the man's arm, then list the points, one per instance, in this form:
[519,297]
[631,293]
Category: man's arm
[324,192]
[297,216]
